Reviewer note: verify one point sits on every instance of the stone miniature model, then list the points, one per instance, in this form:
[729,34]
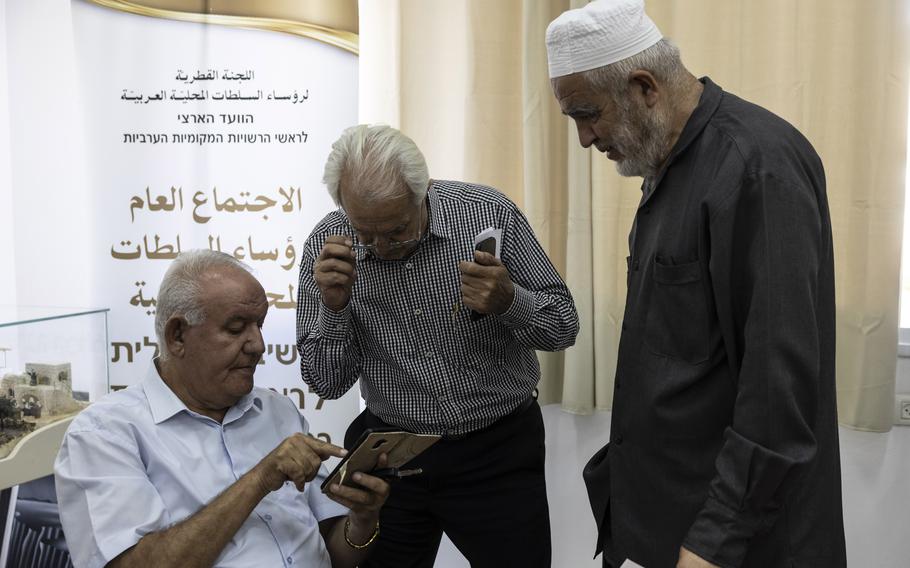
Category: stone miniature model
[39,396]
[43,389]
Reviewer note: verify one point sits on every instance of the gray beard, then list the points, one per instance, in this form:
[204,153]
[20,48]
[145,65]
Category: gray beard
[644,137]
[630,167]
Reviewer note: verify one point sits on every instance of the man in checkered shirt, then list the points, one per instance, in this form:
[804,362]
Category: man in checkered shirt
[443,340]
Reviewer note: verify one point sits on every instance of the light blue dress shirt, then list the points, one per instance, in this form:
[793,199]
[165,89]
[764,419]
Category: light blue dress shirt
[138,461]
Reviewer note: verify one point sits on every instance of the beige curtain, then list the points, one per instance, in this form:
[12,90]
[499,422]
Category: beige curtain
[468,81]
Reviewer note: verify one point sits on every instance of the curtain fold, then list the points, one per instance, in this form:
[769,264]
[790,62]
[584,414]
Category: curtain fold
[468,81]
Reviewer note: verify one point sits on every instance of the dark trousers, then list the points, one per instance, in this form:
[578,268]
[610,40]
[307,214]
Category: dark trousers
[486,491]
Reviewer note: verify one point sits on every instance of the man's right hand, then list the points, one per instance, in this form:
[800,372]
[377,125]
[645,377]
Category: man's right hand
[334,272]
[295,459]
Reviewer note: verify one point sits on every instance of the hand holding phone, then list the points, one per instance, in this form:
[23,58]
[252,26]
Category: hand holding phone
[485,283]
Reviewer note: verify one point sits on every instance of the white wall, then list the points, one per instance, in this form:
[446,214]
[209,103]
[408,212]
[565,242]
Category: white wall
[902,380]
[902,385]
[7,255]
[49,196]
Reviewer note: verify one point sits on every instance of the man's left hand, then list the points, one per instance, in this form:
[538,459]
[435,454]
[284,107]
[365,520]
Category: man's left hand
[689,559]
[485,284]
[365,501]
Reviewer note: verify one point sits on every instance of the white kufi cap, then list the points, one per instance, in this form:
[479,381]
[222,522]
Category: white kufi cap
[600,33]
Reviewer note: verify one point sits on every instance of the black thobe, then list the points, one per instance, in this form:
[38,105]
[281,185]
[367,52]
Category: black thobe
[724,431]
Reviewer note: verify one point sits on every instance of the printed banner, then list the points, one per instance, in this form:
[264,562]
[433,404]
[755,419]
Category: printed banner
[208,136]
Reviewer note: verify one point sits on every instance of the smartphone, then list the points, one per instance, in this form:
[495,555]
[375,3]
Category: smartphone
[486,241]
[400,447]
[487,245]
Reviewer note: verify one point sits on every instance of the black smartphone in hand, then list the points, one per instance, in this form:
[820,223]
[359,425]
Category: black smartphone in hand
[487,245]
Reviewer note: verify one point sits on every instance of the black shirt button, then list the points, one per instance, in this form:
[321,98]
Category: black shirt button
[618,440]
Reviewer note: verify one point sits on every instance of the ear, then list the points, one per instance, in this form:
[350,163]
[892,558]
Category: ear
[643,84]
[174,335]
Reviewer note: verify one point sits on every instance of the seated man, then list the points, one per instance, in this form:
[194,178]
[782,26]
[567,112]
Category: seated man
[197,467]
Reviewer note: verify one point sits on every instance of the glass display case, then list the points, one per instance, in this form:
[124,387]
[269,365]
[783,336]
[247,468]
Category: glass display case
[53,363]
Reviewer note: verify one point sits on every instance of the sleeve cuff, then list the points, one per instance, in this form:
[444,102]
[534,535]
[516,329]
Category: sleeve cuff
[334,325]
[720,535]
[521,311]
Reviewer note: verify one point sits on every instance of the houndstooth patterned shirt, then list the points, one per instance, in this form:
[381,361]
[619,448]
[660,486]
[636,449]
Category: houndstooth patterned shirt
[423,364]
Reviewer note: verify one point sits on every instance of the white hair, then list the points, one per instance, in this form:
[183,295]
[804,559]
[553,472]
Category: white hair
[661,59]
[180,289]
[374,160]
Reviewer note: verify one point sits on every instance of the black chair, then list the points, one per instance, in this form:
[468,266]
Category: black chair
[36,537]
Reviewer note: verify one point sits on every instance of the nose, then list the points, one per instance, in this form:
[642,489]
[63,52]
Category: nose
[255,345]
[586,135]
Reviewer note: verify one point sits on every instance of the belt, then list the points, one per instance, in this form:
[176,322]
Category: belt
[520,409]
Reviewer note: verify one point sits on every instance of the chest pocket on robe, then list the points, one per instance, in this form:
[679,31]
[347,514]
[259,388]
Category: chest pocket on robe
[677,323]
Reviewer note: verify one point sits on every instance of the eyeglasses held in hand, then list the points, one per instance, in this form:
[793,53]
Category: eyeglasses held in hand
[384,247]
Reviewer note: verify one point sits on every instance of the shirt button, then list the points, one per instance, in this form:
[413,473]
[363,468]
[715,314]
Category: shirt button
[290,560]
[429,354]
[418,311]
[409,265]
[267,517]
[618,440]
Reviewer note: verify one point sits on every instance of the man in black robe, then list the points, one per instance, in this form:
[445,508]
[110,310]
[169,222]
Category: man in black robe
[723,447]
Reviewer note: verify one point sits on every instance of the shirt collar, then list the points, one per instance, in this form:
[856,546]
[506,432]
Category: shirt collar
[249,402]
[438,225]
[707,106]
[710,99]
[164,404]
